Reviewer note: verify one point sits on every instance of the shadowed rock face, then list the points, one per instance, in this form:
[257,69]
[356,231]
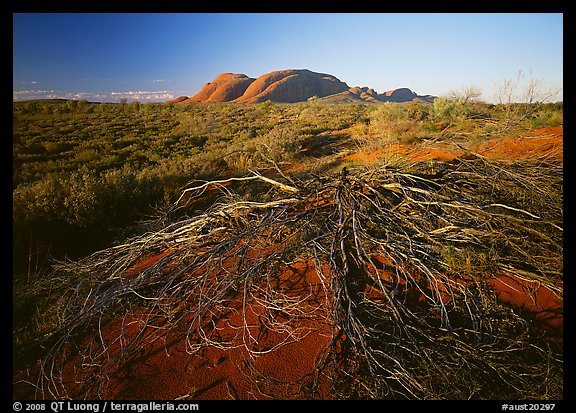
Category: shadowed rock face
[178,99]
[398,95]
[293,85]
[364,93]
[359,94]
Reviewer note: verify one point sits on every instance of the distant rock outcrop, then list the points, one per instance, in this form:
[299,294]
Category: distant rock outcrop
[178,99]
[365,93]
[398,95]
[226,87]
[294,85]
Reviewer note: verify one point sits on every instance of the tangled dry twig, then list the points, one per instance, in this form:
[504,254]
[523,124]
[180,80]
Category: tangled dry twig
[404,256]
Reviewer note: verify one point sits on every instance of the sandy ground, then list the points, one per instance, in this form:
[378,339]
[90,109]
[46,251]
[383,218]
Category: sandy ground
[541,141]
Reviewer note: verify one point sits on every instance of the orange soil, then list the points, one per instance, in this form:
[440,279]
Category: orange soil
[533,302]
[530,299]
[165,370]
[147,263]
[541,141]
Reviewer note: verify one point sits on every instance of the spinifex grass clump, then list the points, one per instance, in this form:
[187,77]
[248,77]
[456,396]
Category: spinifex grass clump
[404,255]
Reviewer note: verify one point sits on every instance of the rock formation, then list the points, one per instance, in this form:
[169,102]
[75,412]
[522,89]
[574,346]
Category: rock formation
[398,95]
[293,85]
[226,87]
[178,99]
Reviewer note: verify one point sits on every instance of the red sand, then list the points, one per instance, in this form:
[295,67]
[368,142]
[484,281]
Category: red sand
[257,362]
[534,302]
[540,141]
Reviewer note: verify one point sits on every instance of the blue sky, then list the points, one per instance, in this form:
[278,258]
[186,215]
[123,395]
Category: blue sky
[156,57]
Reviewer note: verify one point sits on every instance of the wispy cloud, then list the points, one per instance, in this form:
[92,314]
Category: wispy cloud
[143,95]
[159,80]
[116,96]
[31,94]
